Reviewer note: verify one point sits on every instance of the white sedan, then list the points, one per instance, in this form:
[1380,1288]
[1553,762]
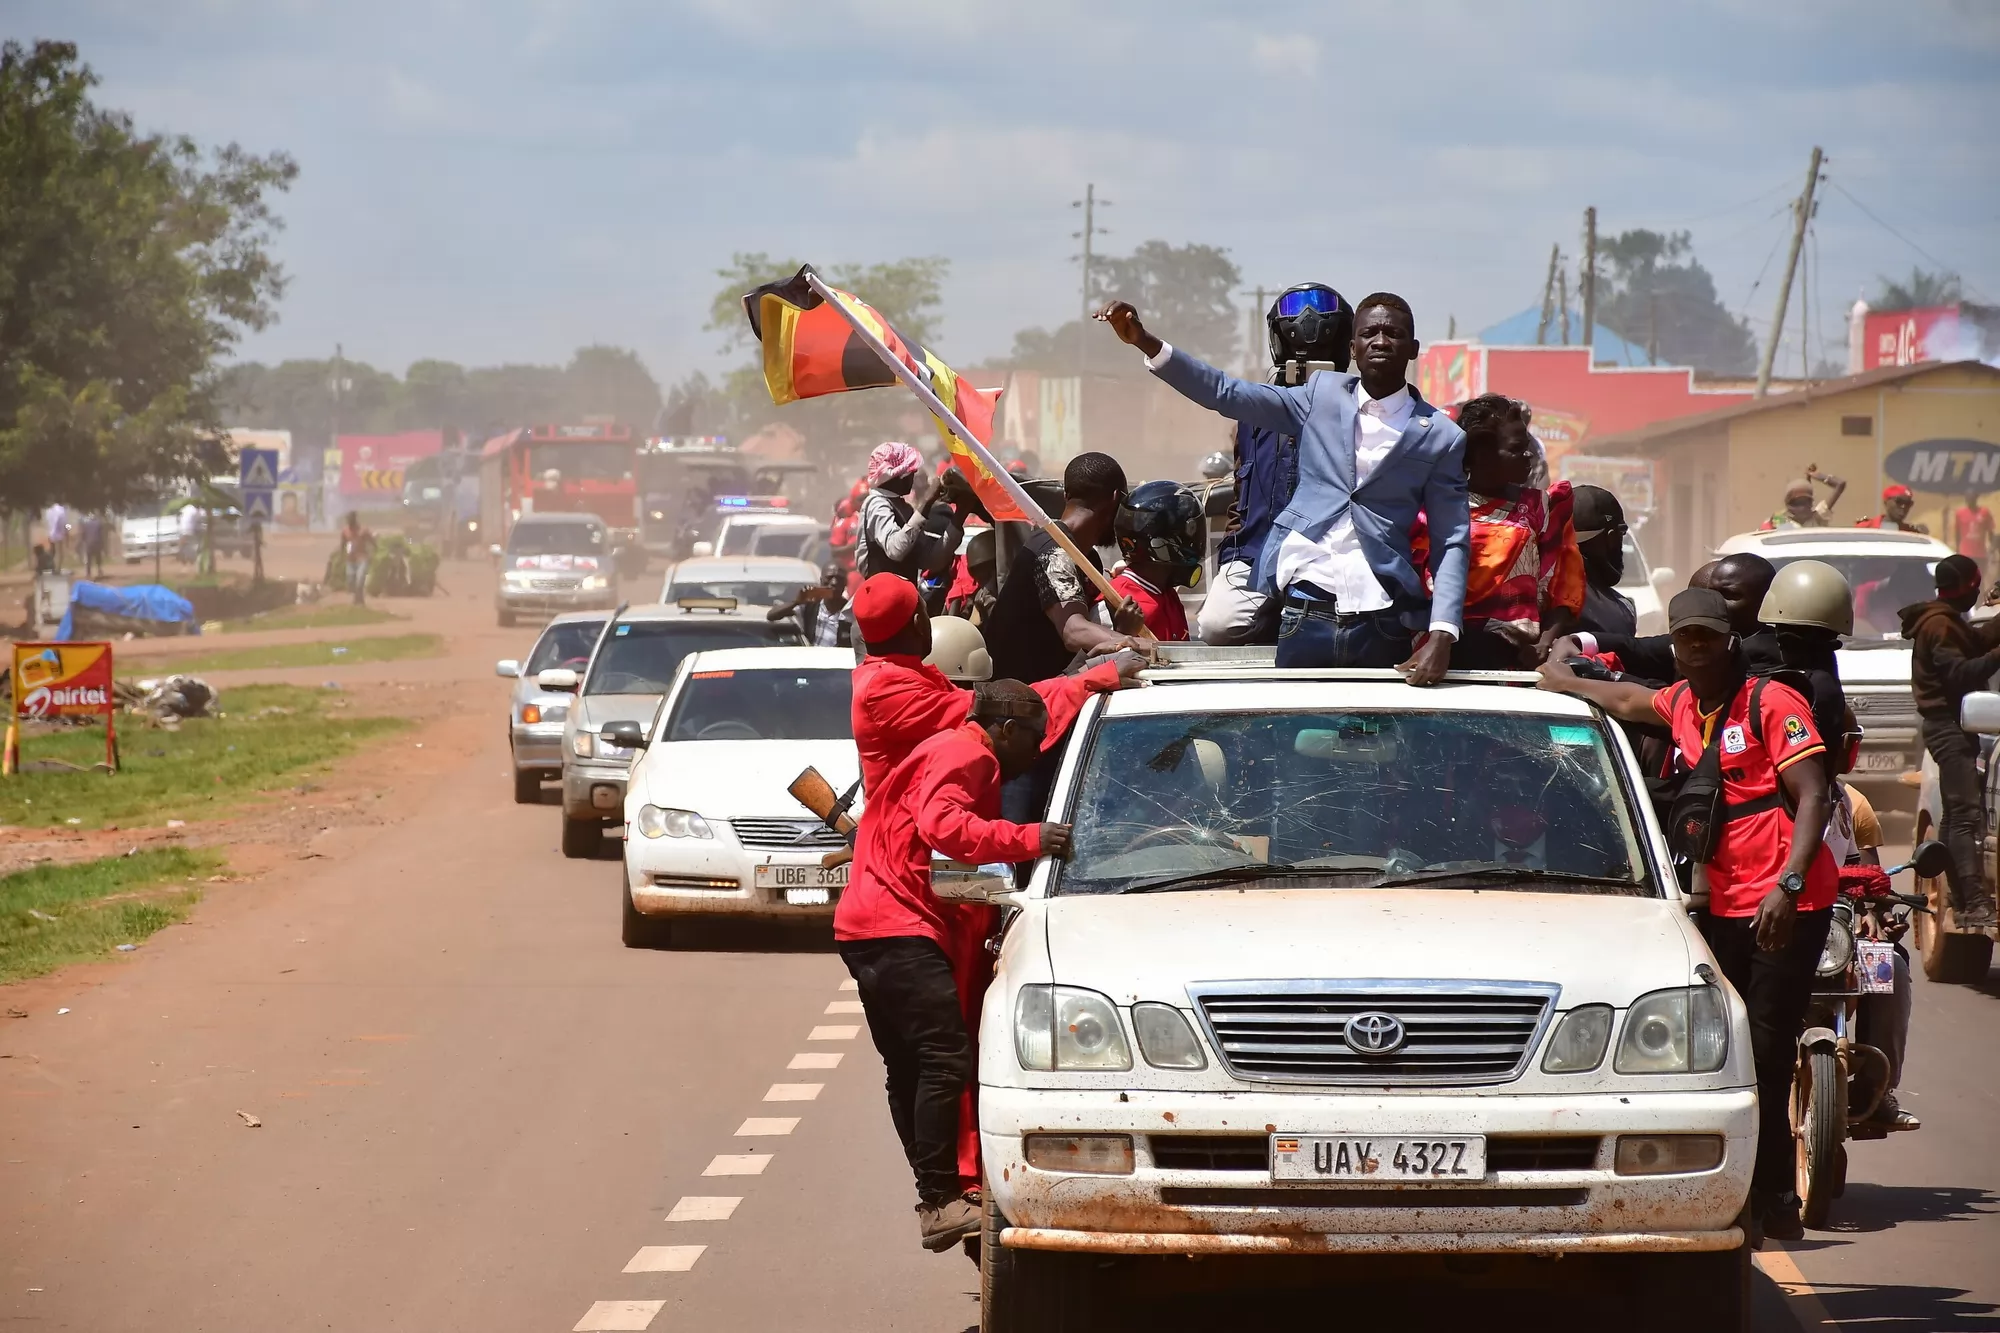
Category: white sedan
[710,827]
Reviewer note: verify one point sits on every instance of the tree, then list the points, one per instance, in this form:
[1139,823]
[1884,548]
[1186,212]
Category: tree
[129,266]
[1182,290]
[1924,289]
[613,382]
[1653,292]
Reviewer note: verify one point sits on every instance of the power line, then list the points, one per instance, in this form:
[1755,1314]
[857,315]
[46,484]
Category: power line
[1876,219]
[1759,197]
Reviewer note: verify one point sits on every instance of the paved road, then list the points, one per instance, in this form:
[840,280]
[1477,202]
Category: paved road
[479,1112]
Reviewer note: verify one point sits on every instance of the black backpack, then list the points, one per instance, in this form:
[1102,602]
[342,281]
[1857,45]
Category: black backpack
[1695,811]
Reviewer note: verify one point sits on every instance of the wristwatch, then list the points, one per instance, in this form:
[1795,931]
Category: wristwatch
[1793,883]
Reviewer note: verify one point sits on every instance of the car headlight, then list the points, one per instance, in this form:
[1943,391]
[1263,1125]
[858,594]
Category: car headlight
[594,583]
[1165,1038]
[1681,1031]
[583,744]
[1579,1040]
[1066,1027]
[516,577]
[657,821]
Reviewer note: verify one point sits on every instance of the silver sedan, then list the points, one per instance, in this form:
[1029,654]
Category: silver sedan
[535,716]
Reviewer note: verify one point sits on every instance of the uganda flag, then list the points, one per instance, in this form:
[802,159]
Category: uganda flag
[812,349]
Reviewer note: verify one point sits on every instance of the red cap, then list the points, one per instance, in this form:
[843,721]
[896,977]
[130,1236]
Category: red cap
[1897,493]
[883,605]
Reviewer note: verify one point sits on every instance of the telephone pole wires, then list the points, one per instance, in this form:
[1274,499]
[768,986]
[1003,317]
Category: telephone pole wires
[1802,208]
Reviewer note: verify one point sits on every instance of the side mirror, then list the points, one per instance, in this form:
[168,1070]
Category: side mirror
[494,550]
[557,680]
[628,735]
[1930,859]
[1980,713]
[507,668]
[700,549]
[1663,580]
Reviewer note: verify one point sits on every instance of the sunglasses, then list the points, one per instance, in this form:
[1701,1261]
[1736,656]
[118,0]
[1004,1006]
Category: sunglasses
[1323,299]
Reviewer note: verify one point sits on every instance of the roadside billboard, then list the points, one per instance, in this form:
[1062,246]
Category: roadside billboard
[372,466]
[59,680]
[1630,479]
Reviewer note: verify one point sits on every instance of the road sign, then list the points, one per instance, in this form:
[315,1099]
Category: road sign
[258,469]
[257,504]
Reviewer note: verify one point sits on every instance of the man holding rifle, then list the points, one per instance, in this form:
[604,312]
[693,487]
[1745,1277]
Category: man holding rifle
[1372,455]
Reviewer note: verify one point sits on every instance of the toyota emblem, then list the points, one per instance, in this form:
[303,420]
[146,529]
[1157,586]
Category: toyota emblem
[1374,1033]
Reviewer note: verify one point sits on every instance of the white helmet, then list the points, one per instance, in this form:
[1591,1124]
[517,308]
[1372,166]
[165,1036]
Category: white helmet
[959,650]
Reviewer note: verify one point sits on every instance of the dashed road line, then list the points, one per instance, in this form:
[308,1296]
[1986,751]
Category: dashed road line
[845,1007]
[833,1032]
[704,1208]
[816,1060]
[850,984]
[664,1258]
[618,1317]
[767,1126]
[794,1092]
[738,1164]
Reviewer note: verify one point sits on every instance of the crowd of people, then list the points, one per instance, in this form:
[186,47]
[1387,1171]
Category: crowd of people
[1368,529]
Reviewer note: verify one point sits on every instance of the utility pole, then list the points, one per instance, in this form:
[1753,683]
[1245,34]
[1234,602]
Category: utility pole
[1090,203]
[1252,358]
[1548,296]
[1587,280]
[1801,214]
[1562,301]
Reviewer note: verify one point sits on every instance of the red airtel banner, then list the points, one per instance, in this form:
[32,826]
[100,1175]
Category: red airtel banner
[56,680]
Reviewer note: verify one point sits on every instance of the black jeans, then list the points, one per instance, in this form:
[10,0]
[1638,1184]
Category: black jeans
[1963,822]
[913,1015]
[1777,987]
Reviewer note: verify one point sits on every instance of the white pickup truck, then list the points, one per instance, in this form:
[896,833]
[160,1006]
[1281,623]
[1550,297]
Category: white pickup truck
[1339,967]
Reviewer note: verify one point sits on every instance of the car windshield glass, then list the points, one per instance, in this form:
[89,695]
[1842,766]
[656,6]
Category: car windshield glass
[1348,799]
[564,645]
[1883,585]
[812,704]
[1636,574]
[753,593]
[556,539]
[640,657]
[787,542]
[583,461]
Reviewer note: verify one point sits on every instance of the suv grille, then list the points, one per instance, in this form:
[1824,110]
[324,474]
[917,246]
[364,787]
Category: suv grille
[553,585]
[1461,1032]
[782,835]
[1895,708]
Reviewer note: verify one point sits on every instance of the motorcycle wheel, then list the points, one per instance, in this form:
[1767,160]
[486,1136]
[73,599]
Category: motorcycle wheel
[1819,1097]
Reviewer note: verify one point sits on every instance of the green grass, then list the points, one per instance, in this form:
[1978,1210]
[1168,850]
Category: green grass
[330,652]
[53,915]
[269,734]
[339,616]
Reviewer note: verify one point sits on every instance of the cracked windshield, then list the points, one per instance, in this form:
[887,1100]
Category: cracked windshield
[1352,799]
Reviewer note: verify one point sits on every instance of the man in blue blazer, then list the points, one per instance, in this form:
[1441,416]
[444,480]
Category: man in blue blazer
[1372,455]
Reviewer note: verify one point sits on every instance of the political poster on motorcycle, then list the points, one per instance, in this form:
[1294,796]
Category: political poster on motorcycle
[52,681]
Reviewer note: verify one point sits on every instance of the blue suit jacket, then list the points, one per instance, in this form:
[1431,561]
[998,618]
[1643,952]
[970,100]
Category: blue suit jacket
[1424,471]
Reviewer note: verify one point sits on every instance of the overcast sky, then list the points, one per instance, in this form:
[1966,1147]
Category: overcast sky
[506,180]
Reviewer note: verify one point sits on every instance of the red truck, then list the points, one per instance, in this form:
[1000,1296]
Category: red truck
[560,469]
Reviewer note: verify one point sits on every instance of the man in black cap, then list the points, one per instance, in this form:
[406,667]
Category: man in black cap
[1600,536]
[1771,880]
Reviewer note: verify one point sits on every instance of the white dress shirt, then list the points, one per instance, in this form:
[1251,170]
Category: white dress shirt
[1336,562]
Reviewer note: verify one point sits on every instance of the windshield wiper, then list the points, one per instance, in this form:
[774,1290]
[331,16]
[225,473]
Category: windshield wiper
[1496,870]
[1229,875]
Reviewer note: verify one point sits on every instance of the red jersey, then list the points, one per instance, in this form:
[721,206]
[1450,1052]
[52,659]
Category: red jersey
[946,795]
[1755,847]
[1165,616]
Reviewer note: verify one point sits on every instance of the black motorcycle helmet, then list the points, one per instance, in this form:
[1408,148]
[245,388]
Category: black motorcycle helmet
[1310,322]
[1162,520]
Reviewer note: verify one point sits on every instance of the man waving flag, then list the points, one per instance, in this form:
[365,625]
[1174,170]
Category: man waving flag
[813,348]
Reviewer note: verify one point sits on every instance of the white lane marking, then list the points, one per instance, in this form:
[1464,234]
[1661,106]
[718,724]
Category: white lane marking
[794,1092]
[738,1164]
[845,1007]
[664,1258]
[618,1317]
[767,1126]
[833,1032]
[816,1060]
[704,1208]
[850,984]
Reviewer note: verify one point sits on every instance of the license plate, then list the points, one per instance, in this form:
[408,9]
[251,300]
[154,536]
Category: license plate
[1881,761]
[1376,1158]
[801,877]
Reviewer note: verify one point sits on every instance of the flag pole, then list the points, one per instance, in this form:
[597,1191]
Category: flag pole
[1015,491]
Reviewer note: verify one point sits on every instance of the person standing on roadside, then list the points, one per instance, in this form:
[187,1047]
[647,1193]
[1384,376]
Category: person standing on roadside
[1949,658]
[1771,879]
[357,549]
[92,535]
[1372,455]
[892,933]
[1969,530]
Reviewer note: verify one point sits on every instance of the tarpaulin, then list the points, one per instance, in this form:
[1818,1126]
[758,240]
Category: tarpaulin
[140,601]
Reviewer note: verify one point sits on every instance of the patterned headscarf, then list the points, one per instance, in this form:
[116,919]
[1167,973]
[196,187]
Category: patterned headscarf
[892,459]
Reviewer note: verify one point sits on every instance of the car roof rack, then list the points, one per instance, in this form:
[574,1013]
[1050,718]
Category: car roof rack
[706,603]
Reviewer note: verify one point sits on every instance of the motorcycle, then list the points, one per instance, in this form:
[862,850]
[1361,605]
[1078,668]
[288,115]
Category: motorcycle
[1839,1081]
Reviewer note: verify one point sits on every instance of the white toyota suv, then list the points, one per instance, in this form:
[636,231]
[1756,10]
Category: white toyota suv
[1343,967]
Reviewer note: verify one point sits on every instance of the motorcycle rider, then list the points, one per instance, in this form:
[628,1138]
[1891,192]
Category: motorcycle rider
[1949,658]
[1309,325]
[1811,607]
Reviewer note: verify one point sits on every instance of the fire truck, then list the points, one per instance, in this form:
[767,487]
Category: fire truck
[586,469]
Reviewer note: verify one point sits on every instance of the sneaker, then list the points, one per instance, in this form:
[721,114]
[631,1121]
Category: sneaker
[946,1224]
[1781,1218]
[1890,1116]
[1977,915]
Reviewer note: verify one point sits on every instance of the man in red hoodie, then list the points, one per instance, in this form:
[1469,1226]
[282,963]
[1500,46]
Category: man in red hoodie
[891,930]
[899,701]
